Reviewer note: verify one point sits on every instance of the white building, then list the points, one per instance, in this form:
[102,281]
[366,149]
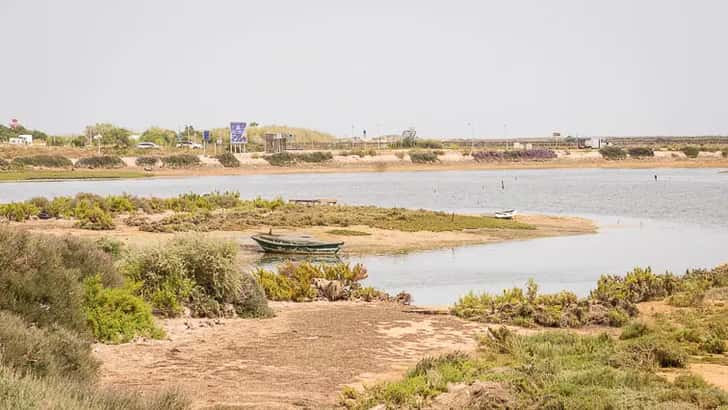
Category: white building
[22,140]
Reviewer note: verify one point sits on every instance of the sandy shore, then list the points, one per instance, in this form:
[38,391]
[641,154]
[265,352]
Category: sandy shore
[372,165]
[379,241]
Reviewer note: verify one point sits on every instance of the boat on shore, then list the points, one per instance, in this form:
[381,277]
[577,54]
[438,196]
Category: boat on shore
[296,244]
[509,214]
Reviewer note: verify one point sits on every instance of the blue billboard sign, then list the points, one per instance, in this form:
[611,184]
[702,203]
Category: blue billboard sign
[206,135]
[237,133]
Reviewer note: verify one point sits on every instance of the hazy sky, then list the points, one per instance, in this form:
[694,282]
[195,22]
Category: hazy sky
[588,67]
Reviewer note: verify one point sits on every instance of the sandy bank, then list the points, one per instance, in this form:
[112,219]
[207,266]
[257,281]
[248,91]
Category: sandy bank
[300,358]
[379,241]
[372,165]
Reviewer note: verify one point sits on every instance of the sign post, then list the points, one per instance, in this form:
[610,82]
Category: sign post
[206,140]
[237,135]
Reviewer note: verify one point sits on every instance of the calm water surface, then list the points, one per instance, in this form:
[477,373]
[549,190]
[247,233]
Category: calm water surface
[675,222]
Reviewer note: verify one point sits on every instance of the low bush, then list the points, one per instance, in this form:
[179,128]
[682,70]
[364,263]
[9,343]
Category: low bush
[103,161]
[4,164]
[18,211]
[42,275]
[297,281]
[641,152]
[47,161]
[95,219]
[228,160]
[690,151]
[280,159]
[317,156]
[422,157]
[548,370]
[514,155]
[42,352]
[287,158]
[198,273]
[613,153]
[361,153]
[399,155]
[116,315]
[147,161]
[428,144]
[633,330]
[181,161]
[30,392]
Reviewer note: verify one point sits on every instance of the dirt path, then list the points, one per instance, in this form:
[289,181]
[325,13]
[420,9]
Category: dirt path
[300,358]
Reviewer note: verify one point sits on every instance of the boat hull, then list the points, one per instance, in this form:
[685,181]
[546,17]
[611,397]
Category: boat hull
[275,245]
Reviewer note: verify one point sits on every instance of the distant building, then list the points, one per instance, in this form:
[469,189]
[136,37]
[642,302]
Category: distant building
[276,142]
[21,140]
[595,143]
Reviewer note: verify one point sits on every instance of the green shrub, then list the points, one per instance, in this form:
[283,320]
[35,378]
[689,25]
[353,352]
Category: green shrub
[713,344]
[18,211]
[228,160]
[633,330]
[295,281]
[42,352]
[48,161]
[146,161]
[163,276]
[361,153]
[181,161]
[103,161]
[641,152]
[613,153]
[280,159]
[287,158]
[41,277]
[95,219]
[317,156]
[199,273]
[690,151]
[30,393]
[429,144]
[110,246]
[116,315]
[423,157]
[60,207]
[4,164]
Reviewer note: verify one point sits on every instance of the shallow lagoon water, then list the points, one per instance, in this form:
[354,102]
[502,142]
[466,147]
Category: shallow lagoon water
[676,222]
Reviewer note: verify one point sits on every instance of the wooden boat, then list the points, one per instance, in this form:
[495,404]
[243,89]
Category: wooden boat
[509,214]
[295,244]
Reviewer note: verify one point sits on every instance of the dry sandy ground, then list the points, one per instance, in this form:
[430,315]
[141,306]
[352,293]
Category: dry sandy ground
[304,356]
[299,359]
[714,374]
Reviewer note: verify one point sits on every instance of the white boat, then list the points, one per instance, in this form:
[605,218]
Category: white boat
[509,214]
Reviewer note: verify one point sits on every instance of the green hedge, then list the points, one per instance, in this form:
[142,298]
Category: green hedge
[613,153]
[103,161]
[48,161]
[423,157]
[146,161]
[181,161]
[641,152]
[228,160]
[287,158]
[691,152]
